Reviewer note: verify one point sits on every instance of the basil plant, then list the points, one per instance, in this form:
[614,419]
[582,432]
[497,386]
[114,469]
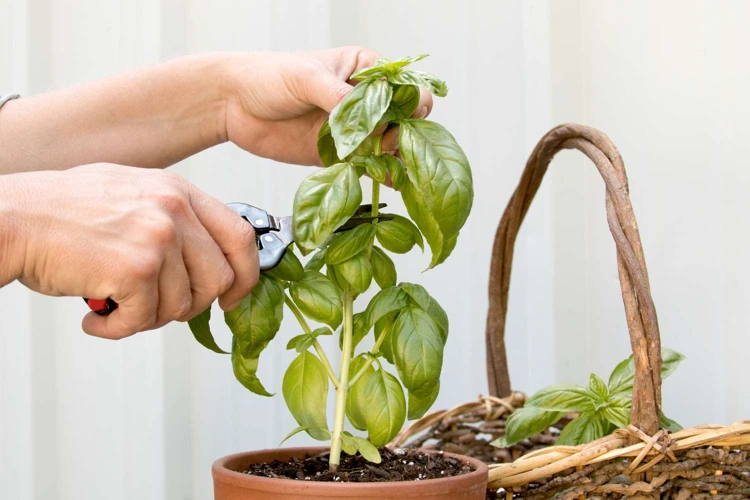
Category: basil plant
[399,377]
[601,407]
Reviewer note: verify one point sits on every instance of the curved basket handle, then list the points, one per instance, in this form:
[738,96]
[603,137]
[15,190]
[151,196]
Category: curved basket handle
[636,293]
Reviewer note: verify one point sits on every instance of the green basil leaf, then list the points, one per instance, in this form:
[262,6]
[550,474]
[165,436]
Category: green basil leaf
[422,79]
[348,444]
[386,407]
[375,166]
[318,298]
[417,350]
[258,317]
[357,271]
[404,103]
[670,361]
[304,344]
[405,100]
[598,387]
[385,67]
[367,73]
[398,235]
[583,429]
[437,313]
[336,278]
[397,171]
[356,405]
[326,146]
[367,148]
[303,428]
[289,269]
[400,63]
[202,331]
[317,261]
[437,167]
[383,268]
[383,326]
[323,202]
[419,404]
[350,243]
[305,389]
[292,344]
[621,380]
[619,416]
[321,331]
[384,302]
[245,367]
[563,397]
[360,330]
[501,442]
[367,450]
[669,424]
[424,218]
[418,294]
[526,422]
[427,303]
[358,113]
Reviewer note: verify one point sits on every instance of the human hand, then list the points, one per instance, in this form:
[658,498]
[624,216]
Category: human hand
[146,238]
[279,101]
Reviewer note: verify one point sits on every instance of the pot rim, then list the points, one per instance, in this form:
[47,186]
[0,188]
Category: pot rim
[223,474]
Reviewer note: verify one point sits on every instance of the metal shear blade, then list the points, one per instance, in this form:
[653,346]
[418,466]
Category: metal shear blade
[274,234]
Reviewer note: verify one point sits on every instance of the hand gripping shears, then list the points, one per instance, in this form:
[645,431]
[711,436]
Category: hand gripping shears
[273,235]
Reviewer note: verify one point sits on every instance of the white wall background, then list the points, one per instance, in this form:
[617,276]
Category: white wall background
[82,418]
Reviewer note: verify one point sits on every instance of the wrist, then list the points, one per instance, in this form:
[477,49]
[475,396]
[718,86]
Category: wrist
[11,230]
[217,73]
[203,83]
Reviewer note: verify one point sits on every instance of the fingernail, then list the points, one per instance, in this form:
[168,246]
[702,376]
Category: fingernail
[421,112]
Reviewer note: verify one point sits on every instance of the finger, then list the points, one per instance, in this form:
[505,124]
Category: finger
[424,108]
[211,274]
[236,239]
[390,140]
[344,61]
[135,314]
[175,296]
[330,83]
[324,89]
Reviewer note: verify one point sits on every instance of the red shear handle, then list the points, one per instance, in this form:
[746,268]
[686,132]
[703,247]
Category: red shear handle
[101,307]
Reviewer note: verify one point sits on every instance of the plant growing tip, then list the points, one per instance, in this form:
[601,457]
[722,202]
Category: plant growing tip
[410,328]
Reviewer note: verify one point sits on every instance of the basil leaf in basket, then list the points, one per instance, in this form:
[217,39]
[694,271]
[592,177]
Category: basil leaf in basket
[621,380]
[669,424]
[583,429]
[563,397]
[524,423]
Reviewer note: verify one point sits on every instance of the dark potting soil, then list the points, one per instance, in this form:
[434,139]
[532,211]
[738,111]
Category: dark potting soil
[396,465]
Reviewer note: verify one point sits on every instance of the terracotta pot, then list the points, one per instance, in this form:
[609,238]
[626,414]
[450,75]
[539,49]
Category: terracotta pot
[231,485]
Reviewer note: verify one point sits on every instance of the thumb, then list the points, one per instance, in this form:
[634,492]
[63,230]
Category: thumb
[326,90]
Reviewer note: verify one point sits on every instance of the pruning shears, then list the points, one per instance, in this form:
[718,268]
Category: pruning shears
[273,235]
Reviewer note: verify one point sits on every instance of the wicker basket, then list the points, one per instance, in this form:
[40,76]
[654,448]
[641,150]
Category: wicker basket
[641,461]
